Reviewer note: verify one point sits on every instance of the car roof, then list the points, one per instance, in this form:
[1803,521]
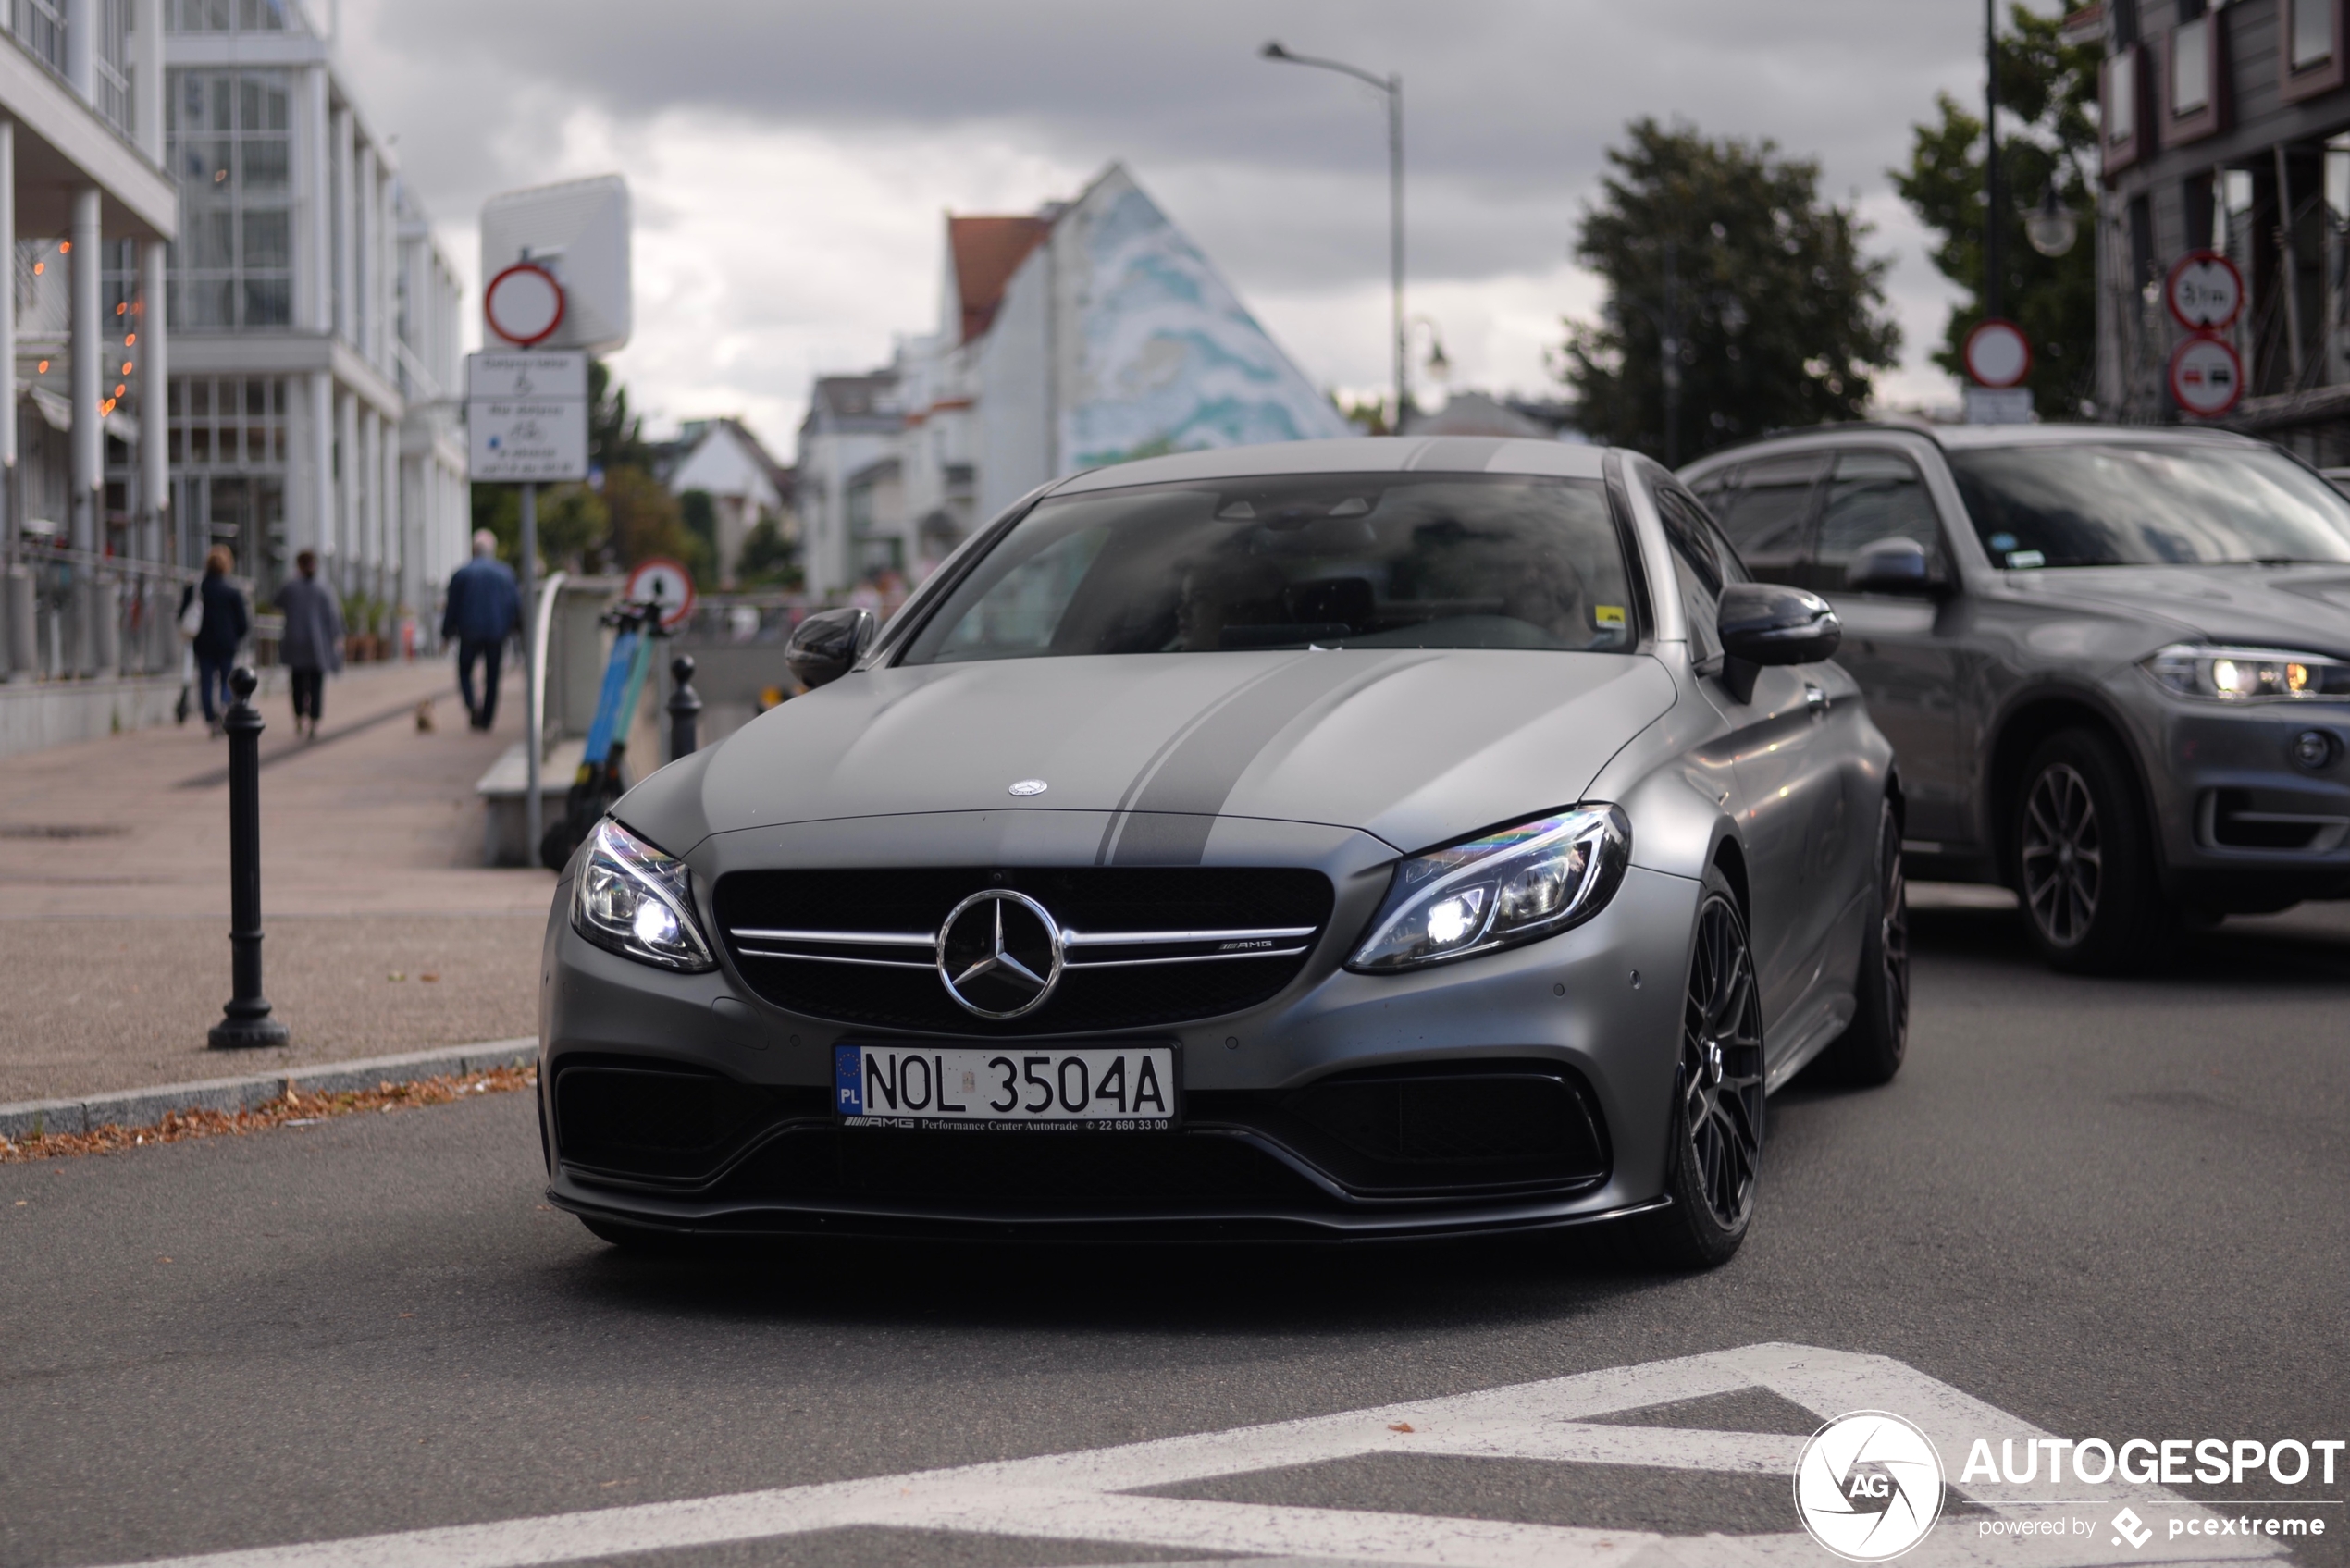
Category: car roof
[1360,454]
[1971,438]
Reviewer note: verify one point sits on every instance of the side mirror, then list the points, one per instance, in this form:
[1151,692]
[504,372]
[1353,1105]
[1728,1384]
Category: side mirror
[1895,566]
[824,647]
[1772,623]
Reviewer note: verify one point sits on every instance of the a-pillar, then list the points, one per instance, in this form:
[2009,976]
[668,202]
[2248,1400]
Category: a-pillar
[88,441]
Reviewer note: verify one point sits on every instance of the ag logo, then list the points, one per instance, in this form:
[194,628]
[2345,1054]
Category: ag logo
[1869,1486]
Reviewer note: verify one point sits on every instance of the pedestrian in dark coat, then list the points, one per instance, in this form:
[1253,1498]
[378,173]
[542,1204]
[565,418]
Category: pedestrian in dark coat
[223,631]
[484,610]
[311,644]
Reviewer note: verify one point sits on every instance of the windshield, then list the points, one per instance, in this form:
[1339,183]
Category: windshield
[2120,503]
[1442,560]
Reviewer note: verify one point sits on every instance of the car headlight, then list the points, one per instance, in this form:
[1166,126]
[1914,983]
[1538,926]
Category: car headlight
[1514,884]
[2249,675]
[638,902]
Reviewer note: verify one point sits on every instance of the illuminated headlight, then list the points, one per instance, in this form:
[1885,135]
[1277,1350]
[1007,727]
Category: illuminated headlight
[1516,885]
[2249,675]
[638,902]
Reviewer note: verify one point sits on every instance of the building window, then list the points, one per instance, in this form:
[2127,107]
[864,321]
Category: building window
[226,422]
[224,15]
[231,147]
[2311,59]
[2191,66]
[40,26]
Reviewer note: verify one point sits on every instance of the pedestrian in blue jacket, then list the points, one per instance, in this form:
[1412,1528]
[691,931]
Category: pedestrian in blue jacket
[484,610]
[222,633]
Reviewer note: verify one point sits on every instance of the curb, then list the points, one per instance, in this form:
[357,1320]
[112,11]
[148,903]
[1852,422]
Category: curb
[141,1108]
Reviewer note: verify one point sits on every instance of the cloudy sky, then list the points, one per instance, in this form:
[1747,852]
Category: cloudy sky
[790,162]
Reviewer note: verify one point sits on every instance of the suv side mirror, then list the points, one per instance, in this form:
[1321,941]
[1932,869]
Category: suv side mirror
[823,646]
[1896,566]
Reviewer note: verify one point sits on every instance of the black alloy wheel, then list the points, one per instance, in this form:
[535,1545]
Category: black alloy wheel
[2061,855]
[1716,1149]
[1872,1047]
[2083,865]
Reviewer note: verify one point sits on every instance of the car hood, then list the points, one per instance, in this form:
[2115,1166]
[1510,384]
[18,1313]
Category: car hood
[1415,745]
[2303,607]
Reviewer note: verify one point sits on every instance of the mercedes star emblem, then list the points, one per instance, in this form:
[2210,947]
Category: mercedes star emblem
[999,953]
[1028,786]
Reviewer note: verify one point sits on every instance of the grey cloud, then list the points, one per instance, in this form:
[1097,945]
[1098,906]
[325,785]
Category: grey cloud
[1278,169]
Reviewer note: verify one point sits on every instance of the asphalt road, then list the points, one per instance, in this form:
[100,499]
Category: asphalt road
[2108,1208]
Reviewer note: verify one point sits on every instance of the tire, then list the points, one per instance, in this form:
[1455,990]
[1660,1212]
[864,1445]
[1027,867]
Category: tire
[1715,1117]
[2082,859]
[1869,1050]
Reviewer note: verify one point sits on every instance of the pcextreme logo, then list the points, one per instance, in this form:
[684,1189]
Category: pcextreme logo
[1868,1485]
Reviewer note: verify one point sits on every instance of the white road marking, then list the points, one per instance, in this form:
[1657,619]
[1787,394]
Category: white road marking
[1086,1495]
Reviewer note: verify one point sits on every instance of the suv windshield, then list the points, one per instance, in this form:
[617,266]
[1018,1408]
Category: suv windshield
[1386,561]
[2122,503]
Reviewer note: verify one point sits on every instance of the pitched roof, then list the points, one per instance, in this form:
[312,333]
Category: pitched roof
[987,251]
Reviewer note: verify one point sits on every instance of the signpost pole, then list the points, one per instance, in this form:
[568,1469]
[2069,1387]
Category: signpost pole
[532,720]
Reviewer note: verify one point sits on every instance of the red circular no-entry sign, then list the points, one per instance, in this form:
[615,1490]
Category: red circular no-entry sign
[1996,353]
[2205,375]
[2204,292]
[524,304]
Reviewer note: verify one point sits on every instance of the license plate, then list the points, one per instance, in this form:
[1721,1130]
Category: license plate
[1068,1088]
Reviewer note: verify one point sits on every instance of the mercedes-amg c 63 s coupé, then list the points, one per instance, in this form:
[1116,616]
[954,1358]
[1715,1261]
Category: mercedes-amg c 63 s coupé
[1366,838]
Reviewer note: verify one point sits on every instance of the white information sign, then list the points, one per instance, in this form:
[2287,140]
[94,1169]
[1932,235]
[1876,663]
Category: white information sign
[1998,405]
[527,415]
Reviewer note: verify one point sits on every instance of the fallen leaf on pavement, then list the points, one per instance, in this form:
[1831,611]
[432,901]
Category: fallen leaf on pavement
[1400,1426]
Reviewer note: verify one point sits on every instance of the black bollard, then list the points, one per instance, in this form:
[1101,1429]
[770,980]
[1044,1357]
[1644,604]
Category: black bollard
[247,1021]
[684,708]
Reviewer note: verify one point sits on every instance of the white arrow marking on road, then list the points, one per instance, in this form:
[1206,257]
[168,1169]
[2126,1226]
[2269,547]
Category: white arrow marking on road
[1087,1496]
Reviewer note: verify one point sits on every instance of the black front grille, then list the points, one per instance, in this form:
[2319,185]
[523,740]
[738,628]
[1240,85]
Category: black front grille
[1092,899]
[1062,1172]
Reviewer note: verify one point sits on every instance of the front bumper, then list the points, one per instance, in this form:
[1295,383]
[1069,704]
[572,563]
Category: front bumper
[1569,1011]
[2245,827]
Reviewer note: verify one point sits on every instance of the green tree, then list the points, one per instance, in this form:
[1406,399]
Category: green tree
[1777,309]
[2047,92]
[768,558]
[615,435]
[698,511]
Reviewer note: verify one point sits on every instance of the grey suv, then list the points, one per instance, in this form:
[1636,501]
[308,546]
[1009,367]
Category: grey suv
[2114,663]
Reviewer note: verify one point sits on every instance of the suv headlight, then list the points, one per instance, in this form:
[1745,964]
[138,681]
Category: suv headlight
[638,902]
[1513,884]
[2249,675]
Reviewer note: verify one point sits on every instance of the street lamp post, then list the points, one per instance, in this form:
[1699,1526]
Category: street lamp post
[1391,85]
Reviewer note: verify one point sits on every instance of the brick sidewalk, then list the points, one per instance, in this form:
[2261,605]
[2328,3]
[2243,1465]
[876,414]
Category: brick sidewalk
[114,893]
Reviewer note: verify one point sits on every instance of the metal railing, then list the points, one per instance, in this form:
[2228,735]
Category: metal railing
[70,614]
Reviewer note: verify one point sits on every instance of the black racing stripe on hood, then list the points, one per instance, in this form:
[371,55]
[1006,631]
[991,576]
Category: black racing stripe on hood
[1177,807]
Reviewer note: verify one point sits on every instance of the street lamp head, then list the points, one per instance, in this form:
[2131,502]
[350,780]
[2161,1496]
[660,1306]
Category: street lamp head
[1273,50]
[2051,225]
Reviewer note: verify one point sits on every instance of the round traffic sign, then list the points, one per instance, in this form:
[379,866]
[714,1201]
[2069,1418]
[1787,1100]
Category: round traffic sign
[660,581]
[523,304]
[2204,292]
[2205,376]
[1996,353]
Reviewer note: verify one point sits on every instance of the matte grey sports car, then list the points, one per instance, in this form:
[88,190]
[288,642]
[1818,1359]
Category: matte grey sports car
[1346,838]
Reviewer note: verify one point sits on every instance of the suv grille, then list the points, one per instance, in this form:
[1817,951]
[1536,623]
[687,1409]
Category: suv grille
[1147,946]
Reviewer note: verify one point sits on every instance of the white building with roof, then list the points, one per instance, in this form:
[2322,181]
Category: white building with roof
[1089,332]
[316,369]
[723,460]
